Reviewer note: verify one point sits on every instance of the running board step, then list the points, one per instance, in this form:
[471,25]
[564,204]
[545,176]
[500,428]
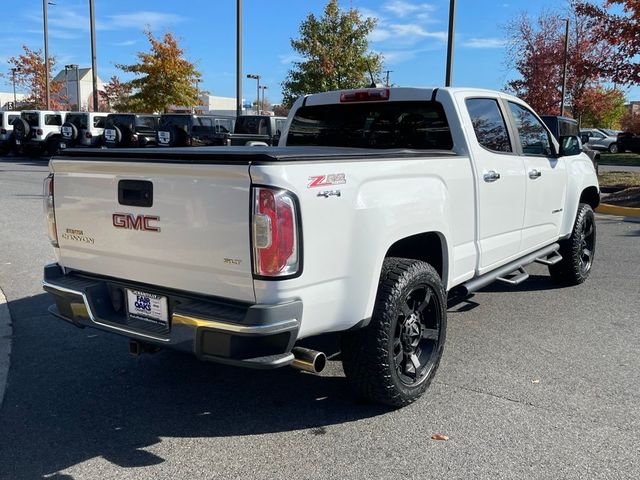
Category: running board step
[550,260]
[514,278]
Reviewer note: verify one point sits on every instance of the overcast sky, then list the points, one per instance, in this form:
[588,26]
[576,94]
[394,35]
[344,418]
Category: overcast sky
[410,34]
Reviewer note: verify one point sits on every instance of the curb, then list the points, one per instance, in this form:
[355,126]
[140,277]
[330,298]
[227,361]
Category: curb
[608,209]
[5,343]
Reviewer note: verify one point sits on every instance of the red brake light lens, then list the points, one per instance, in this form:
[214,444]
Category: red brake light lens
[275,233]
[365,95]
[87,135]
[39,131]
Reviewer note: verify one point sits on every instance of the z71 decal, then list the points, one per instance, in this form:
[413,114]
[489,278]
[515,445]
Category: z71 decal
[327,180]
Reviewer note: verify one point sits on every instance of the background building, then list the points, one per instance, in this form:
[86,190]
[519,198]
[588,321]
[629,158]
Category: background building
[69,92]
[6,99]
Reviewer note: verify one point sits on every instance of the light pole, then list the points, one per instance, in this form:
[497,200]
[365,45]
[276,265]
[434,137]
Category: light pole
[46,52]
[564,69]
[257,79]
[388,72]
[263,91]
[452,25]
[94,67]
[73,66]
[15,70]
[239,58]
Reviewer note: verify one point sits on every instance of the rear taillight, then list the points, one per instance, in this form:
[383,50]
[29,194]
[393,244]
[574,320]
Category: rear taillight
[87,135]
[365,95]
[39,131]
[276,251]
[49,210]
[3,131]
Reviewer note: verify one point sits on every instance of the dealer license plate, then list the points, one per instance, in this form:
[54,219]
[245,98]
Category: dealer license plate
[148,307]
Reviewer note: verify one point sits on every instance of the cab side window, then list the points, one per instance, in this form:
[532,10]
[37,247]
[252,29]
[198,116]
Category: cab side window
[98,122]
[533,136]
[488,124]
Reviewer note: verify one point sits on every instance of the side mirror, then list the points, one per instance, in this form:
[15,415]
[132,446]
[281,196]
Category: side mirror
[570,145]
[585,138]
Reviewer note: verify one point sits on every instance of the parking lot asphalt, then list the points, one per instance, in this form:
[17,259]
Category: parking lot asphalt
[536,382]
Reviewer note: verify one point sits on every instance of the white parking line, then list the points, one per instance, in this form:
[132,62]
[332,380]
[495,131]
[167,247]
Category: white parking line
[5,343]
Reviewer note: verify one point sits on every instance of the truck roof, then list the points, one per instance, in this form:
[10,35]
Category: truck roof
[242,154]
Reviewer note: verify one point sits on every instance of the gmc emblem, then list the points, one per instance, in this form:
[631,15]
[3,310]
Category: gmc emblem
[135,222]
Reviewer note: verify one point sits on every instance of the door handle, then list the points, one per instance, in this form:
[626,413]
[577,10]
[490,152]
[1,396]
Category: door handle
[533,174]
[491,176]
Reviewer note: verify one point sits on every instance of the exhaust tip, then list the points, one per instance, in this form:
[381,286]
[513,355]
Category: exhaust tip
[308,360]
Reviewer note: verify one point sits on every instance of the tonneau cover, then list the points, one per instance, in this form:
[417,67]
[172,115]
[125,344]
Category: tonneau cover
[243,154]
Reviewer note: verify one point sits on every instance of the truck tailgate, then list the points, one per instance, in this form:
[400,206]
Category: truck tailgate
[194,236]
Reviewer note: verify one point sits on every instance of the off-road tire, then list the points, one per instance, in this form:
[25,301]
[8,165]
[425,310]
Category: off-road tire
[572,270]
[367,353]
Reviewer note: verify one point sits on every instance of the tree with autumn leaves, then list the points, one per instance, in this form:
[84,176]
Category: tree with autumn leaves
[335,53]
[30,76]
[163,77]
[537,53]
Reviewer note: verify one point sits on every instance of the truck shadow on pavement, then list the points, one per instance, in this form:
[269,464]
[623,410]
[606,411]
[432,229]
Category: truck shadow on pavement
[74,394]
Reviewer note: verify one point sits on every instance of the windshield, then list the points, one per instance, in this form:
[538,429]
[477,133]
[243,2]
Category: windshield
[417,125]
[78,119]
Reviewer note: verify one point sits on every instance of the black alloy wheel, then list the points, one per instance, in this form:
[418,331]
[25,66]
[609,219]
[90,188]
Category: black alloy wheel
[417,335]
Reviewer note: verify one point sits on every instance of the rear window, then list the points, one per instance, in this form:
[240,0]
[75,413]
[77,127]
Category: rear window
[180,121]
[12,118]
[125,121]
[98,122]
[147,122]
[223,125]
[78,119]
[252,125]
[32,119]
[416,125]
[202,125]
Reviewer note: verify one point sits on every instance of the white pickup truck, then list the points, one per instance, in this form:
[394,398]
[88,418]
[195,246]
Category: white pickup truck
[377,207]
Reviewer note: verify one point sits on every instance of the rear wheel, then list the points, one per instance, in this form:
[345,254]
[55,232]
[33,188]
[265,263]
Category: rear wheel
[394,358]
[613,148]
[578,250]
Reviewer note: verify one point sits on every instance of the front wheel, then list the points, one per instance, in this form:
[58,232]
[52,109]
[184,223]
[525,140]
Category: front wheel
[578,250]
[613,148]
[393,359]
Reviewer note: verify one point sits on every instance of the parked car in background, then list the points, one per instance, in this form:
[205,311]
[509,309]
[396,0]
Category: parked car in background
[130,130]
[253,130]
[628,142]
[82,129]
[6,131]
[599,141]
[565,126]
[38,131]
[609,132]
[185,130]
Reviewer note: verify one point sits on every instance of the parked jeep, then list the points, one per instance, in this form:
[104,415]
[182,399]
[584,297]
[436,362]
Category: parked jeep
[82,129]
[130,130]
[38,131]
[254,130]
[185,130]
[6,131]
